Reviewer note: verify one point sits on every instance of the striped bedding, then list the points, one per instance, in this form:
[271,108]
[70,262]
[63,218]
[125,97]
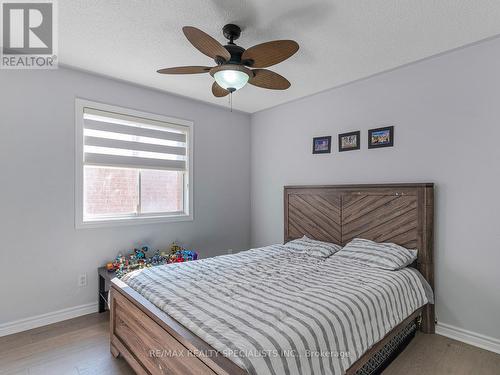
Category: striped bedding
[388,256]
[312,247]
[275,311]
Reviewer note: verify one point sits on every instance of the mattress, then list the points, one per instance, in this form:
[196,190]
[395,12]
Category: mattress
[275,311]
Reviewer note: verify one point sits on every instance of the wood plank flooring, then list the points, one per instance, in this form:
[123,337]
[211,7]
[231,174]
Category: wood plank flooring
[80,347]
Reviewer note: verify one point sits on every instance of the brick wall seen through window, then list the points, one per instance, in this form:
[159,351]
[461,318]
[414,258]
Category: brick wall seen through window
[115,191]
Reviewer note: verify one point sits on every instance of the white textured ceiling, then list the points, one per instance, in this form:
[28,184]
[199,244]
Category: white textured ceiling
[340,40]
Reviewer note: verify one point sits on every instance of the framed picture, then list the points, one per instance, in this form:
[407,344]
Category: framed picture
[322,145]
[381,137]
[349,141]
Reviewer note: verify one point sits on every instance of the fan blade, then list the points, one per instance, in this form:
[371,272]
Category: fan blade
[268,80]
[185,70]
[270,53]
[219,91]
[205,43]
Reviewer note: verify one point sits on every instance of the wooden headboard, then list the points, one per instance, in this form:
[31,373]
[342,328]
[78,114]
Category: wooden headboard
[398,213]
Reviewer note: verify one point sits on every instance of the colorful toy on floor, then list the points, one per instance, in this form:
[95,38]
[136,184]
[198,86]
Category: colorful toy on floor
[110,266]
[157,259]
[174,248]
[119,262]
[189,254]
[141,253]
[183,256]
[138,260]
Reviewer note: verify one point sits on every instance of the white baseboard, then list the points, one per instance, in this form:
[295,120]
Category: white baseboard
[45,319]
[472,338]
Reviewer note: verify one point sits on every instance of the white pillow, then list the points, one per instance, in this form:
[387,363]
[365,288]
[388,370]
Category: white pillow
[388,256]
[312,247]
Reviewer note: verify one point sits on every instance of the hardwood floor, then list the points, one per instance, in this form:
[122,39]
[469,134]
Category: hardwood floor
[80,347]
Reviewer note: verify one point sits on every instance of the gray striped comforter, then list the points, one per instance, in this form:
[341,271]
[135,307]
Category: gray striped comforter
[275,311]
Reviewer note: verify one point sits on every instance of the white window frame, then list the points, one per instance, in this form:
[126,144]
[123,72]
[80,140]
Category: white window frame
[187,215]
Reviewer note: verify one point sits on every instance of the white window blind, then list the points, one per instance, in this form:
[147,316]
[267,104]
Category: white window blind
[112,139]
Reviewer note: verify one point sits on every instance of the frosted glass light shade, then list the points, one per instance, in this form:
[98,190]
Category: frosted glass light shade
[231,80]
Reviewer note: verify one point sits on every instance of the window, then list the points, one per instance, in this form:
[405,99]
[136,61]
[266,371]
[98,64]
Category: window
[132,167]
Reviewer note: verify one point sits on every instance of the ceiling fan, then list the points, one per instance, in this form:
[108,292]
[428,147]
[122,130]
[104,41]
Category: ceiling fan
[234,63]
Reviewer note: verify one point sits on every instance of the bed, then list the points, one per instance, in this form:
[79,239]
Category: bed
[214,309]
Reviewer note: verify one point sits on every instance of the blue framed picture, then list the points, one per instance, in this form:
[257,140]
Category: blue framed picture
[381,137]
[322,145]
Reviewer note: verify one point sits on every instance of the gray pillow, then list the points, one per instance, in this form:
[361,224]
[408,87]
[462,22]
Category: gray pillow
[388,256]
[319,249]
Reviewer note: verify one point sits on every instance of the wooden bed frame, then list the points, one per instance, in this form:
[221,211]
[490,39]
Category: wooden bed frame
[154,343]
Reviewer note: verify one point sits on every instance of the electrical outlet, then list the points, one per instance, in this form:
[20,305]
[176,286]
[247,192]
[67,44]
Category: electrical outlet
[82,280]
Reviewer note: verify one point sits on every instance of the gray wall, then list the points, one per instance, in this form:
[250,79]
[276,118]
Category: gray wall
[42,253]
[446,115]
[445,111]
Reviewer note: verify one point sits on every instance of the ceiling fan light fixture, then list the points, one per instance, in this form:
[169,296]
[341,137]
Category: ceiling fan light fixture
[231,80]
[231,77]
[232,71]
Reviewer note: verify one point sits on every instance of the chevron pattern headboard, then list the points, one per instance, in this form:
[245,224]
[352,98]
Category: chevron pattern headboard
[398,213]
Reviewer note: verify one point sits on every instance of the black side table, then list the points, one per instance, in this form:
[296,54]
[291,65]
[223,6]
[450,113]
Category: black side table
[104,280]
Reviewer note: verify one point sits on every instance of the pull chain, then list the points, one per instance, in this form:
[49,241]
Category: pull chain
[231,100]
